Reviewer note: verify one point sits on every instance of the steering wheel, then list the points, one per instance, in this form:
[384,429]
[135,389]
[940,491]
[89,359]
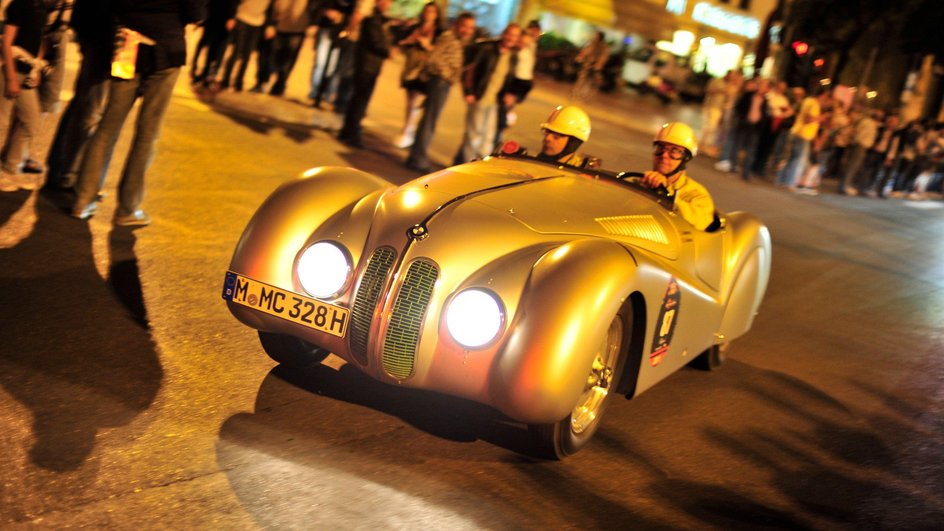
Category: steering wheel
[635,177]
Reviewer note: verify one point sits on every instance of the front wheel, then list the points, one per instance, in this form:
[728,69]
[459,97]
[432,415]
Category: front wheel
[569,435]
[290,350]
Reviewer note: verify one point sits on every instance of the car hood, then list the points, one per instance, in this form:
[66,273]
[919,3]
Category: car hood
[543,198]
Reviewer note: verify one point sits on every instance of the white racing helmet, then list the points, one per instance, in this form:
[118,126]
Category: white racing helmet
[570,121]
[679,134]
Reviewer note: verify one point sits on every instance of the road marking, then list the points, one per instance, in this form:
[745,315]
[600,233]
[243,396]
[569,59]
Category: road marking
[924,205]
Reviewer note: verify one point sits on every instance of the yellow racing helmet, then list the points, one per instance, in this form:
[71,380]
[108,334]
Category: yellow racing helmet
[679,134]
[570,121]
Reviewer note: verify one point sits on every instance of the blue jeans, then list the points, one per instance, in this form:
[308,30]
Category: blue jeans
[478,141]
[324,65]
[799,158]
[155,90]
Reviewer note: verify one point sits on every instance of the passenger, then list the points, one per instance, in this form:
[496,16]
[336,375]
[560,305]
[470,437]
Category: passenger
[565,130]
[673,147]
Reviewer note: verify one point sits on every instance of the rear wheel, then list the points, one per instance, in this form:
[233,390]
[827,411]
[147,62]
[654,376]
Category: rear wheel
[290,350]
[566,437]
[713,358]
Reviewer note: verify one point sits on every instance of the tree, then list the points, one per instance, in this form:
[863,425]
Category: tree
[857,38]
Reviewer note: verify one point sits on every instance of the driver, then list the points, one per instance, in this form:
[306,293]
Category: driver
[564,132]
[673,147]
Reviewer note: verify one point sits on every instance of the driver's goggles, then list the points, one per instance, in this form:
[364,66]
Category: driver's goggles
[675,152]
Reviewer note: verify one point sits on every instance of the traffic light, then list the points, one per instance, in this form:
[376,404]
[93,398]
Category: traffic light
[800,48]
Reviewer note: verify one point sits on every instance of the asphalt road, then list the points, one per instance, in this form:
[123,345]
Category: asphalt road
[130,397]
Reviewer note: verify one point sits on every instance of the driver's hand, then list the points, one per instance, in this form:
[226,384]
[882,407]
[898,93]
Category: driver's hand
[654,179]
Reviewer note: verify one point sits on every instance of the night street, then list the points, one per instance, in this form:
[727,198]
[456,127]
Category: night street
[131,398]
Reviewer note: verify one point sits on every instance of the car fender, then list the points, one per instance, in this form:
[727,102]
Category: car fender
[752,249]
[571,296]
[285,221]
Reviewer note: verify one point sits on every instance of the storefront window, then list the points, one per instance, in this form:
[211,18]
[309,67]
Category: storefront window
[490,15]
[716,59]
[406,8]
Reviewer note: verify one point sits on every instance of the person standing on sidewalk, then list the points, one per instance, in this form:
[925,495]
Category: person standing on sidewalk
[245,30]
[711,113]
[491,66]
[213,41]
[443,68]
[416,47]
[292,19]
[865,132]
[591,59]
[802,134]
[151,79]
[521,81]
[54,53]
[373,48]
[23,66]
[92,25]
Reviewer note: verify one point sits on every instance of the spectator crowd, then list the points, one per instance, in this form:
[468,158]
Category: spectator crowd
[760,129]
[134,50]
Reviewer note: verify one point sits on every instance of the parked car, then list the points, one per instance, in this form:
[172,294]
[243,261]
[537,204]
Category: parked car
[537,289]
[557,57]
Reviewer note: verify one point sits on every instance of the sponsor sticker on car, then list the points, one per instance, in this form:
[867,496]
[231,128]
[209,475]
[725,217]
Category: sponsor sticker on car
[287,305]
[665,324]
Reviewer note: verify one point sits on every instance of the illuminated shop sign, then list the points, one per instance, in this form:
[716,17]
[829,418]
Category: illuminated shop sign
[711,15]
[676,6]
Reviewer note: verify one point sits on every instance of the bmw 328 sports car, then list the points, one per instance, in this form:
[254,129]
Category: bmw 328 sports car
[539,290]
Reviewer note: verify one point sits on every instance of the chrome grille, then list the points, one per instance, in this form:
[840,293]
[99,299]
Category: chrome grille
[365,301]
[408,311]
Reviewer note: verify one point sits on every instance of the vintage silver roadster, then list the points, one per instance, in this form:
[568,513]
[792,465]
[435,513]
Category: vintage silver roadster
[537,289]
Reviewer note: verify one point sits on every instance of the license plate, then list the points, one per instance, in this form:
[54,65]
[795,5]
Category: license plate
[290,306]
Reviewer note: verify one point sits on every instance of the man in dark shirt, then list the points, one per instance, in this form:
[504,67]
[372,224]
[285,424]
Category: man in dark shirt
[159,27]
[92,25]
[22,69]
[486,74]
[373,49]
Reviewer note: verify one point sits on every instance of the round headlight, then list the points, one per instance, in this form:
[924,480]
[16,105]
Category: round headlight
[323,269]
[474,318]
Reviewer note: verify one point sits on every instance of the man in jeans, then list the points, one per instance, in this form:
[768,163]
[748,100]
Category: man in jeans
[802,134]
[20,75]
[94,31]
[443,68]
[492,63]
[157,65]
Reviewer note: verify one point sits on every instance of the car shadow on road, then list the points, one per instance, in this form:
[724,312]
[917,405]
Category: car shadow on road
[372,452]
[769,450]
[442,416]
[91,363]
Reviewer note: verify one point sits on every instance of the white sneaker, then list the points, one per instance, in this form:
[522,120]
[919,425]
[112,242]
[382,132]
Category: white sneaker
[723,165]
[403,141]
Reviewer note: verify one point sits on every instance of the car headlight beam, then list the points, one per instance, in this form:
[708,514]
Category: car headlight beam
[324,269]
[474,318]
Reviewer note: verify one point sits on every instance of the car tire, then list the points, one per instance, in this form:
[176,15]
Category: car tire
[713,358]
[570,434]
[290,350]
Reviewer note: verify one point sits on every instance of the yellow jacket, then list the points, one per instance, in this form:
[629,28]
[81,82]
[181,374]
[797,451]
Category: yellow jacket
[692,201]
